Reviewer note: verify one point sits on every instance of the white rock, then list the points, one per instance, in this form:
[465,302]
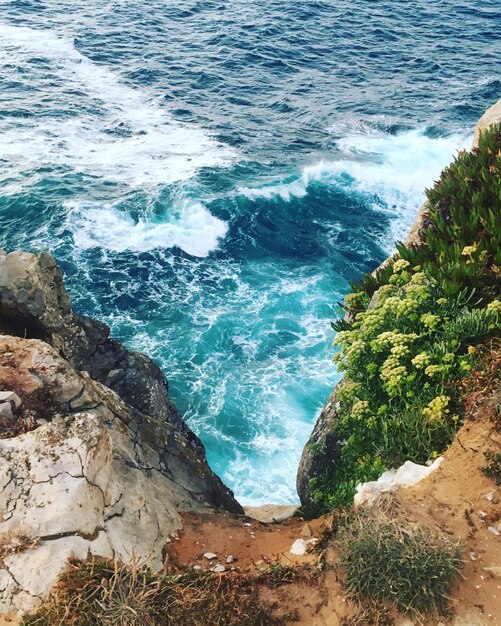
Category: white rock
[230,559]
[210,555]
[493,530]
[12,397]
[490,496]
[300,546]
[408,475]
[219,569]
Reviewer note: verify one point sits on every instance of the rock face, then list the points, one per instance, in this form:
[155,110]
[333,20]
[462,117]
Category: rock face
[94,457]
[322,447]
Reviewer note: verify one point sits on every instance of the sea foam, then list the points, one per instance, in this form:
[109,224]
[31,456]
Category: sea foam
[118,133]
[190,226]
[392,171]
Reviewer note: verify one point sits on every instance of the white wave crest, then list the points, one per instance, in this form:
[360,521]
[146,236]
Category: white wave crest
[393,171]
[191,227]
[116,133]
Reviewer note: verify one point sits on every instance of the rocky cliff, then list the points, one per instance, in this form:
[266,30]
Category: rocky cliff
[323,448]
[94,457]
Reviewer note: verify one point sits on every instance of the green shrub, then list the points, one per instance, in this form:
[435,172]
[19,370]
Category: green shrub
[405,348]
[388,560]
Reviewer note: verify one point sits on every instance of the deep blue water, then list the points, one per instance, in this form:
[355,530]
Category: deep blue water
[211,175]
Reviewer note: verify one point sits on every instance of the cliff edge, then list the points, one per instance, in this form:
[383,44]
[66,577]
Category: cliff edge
[95,460]
[323,448]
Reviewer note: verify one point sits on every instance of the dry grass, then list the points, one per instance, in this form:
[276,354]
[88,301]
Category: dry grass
[100,593]
[372,614]
[12,543]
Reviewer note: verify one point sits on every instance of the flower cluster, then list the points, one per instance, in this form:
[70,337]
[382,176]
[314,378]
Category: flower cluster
[430,320]
[494,306]
[348,391]
[421,360]
[360,409]
[437,409]
[435,369]
[400,265]
[469,250]
[393,339]
[393,373]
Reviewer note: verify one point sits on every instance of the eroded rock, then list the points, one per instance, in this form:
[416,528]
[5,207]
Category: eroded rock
[103,463]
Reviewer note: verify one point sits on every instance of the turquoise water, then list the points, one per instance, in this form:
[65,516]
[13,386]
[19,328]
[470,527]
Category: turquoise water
[210,175]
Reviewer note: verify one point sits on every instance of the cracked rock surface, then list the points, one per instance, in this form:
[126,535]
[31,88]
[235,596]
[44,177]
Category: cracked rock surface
[101,463]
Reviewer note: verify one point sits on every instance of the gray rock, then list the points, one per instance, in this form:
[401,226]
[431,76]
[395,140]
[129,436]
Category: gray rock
[102,479]
[34,304]
[6,412]
[109,464]
[319,454]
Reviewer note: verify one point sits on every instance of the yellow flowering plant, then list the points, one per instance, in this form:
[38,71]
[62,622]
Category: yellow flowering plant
[412,335]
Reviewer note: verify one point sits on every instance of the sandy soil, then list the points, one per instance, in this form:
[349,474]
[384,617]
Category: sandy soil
[458,498]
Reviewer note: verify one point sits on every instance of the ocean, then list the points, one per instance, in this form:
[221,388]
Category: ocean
[211,175]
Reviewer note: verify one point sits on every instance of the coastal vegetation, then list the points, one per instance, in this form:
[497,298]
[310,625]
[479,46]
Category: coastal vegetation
[384,558]
[112,594]
[410,332]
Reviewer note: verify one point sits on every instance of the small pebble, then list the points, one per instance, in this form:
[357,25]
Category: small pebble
[490,496]
[230,559]
[493,530]
[473,556]
[210,555]
[197,567]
